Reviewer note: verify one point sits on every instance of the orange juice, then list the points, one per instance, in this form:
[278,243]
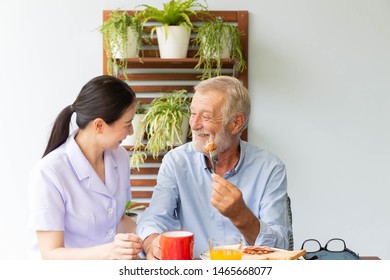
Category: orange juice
[225,254]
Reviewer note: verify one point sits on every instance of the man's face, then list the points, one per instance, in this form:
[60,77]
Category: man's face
[206,121]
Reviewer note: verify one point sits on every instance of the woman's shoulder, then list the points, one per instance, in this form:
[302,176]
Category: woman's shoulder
[55,157]
[50,165]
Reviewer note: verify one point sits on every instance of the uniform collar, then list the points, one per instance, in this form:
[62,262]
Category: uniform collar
[84,170]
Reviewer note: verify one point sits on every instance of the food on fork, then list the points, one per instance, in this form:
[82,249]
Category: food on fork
[211,149]
[210,146]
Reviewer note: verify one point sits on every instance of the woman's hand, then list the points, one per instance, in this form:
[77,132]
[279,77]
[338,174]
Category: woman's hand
[126,246]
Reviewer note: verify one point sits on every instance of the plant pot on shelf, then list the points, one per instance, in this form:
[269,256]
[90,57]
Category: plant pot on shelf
[173,41]
[133,216]
[131,139]
[122,39]
[175,15]
[224,47]
[164,123]
[185,127]
[131,208]
[132,47]
[218,40]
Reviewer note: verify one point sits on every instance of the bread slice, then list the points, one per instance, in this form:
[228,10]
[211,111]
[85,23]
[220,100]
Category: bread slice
[278,254]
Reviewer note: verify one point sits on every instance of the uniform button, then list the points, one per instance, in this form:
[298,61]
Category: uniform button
[110,232]
[110,211]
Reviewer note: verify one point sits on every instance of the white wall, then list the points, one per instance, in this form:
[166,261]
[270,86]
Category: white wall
[319,80]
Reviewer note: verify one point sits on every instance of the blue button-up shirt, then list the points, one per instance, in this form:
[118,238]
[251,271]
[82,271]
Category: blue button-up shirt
[181,199]
[66,194]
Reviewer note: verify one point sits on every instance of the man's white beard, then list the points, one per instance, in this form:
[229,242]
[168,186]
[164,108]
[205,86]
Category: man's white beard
[222,139]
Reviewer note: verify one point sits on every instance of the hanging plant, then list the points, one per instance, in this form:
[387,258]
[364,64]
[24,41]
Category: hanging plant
[162,125]
[212,38]
[115,39]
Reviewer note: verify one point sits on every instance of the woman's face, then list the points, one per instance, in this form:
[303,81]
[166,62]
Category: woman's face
[117,131]
[206,121]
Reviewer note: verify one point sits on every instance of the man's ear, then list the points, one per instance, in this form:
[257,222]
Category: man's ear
[237,123]
[98,125]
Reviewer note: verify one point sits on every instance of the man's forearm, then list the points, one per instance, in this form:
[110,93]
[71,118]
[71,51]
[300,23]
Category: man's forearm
[248,225]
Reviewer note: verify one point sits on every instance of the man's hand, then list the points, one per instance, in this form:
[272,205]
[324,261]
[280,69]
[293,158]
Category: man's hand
[226,197]
[151,246]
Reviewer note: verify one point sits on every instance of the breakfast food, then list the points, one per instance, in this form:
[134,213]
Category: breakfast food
[267,253]
[258,250]
[210,146]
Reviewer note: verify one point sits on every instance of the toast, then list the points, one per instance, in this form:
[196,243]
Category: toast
[266,253]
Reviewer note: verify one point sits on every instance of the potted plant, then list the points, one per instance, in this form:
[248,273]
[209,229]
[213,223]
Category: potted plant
[122,39]
[139,115]
[131,207]
[174,34]
[217,40]
[165,125]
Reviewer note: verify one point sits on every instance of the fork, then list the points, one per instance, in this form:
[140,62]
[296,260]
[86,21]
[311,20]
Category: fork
[214,159]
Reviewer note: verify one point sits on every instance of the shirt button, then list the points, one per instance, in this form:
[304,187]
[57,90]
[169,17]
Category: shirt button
[110,232]
[110,211]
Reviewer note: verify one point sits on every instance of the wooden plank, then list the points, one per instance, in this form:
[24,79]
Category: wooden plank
[242,24]
[229,16]
[144,170]
[161,76]
[161,88]
[143,182]
[141,194]
[156,62]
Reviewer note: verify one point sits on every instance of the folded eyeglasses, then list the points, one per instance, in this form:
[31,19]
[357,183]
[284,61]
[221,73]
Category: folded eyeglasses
[334,249]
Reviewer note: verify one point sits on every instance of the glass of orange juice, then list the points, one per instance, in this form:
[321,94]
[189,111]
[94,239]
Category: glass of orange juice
[225,247]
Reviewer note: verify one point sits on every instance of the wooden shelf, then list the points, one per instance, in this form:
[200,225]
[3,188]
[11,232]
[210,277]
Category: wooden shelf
[151,62]
[152,76]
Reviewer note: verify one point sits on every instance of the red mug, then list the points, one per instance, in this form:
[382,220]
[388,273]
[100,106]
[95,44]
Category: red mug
[177,245]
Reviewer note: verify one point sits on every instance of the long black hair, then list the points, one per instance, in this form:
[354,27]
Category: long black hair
[103,97]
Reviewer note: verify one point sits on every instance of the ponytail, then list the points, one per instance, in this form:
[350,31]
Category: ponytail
[60,130]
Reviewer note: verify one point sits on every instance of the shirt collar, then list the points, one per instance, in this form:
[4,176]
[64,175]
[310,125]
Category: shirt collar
[76,157]
[83,168]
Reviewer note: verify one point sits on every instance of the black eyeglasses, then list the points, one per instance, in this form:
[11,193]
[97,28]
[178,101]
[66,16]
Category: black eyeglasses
[335,249]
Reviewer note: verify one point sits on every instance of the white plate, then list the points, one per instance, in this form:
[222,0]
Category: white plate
[205,255]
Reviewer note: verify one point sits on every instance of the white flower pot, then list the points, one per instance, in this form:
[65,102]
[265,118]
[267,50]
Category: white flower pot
[175,44]
[226,47]
[131,46]
[130,139]
[185,126]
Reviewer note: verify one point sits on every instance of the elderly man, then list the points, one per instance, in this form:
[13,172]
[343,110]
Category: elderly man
[246,196]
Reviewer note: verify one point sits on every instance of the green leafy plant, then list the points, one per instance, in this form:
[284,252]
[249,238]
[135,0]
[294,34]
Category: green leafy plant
[211,38]
[132,206]
[142,108]
[175,12]
[115,39]
[162,125]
